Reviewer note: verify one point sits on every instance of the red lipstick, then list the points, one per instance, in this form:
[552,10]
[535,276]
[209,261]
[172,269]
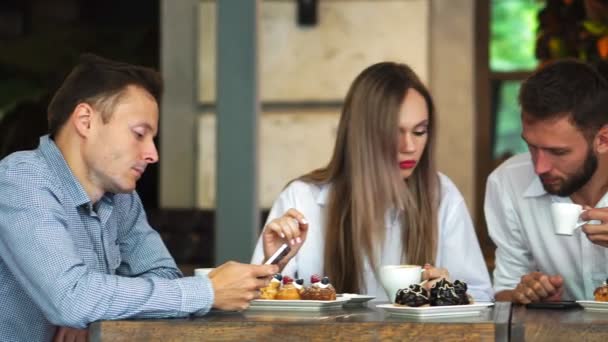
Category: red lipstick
[407,164]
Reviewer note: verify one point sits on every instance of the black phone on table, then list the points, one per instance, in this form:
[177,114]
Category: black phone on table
[560,305]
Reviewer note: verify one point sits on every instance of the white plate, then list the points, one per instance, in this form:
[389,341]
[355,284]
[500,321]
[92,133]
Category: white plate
[355,299]
[297,305]
[593,306]
[474,309]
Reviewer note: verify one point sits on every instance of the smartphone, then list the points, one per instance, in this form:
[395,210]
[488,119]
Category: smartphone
[278,255]
[554,305]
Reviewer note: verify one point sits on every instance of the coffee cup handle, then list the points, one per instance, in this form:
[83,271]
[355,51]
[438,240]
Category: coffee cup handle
[582,223]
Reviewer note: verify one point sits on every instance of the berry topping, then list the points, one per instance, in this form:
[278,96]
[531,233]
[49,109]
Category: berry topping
[278,277]
[315,278]
[287,280]
[300,281]
[325,280]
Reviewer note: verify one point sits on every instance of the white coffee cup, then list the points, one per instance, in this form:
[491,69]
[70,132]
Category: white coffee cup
[199,272]
[395,277]
[566,217]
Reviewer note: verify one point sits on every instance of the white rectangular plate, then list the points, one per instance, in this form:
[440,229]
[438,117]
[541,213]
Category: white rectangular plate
[297,305]
[594,306]
[474,309]
[355,299]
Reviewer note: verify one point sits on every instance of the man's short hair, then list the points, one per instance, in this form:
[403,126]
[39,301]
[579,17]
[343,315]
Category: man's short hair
[99,82]
[567,88]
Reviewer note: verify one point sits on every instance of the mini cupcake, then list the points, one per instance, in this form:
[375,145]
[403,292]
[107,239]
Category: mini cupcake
[321,289]
[299,284]
[270,291]
[601,293]
[289,291]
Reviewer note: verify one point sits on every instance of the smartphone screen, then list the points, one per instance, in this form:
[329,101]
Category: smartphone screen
[278,255]
[553,305]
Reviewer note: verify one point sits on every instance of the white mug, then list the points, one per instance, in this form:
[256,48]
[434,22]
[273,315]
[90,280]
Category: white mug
[395,277]
[566,217]
[199,272]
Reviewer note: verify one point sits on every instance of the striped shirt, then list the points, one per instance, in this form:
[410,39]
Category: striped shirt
[65,261]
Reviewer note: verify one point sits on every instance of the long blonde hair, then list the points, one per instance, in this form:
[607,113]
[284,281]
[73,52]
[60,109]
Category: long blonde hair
[366,183]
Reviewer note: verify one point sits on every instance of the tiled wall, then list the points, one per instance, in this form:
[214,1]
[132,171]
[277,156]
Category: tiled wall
[307,66]
[290,144]
[318,63]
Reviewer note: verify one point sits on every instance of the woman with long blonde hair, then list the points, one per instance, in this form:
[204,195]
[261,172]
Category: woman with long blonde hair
[380,200]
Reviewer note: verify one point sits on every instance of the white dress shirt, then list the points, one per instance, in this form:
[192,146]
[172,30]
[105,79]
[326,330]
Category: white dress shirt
[518,213]
[458,249]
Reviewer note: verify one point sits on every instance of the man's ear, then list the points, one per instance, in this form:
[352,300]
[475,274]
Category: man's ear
[601,140]
[82,118]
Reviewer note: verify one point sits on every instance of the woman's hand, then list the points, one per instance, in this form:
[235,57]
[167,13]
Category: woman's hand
[291,228]
[432,275]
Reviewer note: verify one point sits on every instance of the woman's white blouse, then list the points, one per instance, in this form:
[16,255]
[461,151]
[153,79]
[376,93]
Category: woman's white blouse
[458,249]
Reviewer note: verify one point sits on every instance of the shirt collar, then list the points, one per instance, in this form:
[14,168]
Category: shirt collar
[62,170]
[535,188]
[323,195]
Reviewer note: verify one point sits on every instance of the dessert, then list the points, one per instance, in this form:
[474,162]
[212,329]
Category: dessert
[415,295]
[289,291]
[442,293]
[320,289]
[270,291]
[460,287]
[445,293]
[601,293]
[299,284]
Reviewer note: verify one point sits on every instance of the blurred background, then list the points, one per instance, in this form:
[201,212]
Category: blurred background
[254,89]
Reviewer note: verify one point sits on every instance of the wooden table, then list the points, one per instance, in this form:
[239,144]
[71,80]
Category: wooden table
[558,325]
[359,324]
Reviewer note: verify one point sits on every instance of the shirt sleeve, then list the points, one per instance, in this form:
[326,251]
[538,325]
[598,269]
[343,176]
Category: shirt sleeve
[285,201]
[513,258]
[459,250]
[38,250]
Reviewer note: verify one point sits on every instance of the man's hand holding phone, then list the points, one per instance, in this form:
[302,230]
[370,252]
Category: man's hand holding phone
[235,284]
[559,305]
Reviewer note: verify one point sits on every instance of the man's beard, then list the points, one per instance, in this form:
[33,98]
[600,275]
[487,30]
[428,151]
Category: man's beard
[578,180]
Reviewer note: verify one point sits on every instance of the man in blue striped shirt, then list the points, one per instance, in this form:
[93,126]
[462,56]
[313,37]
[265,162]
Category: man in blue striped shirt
[75,245]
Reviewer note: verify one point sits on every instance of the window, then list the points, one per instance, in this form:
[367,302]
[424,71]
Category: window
[505,56]
[513,26]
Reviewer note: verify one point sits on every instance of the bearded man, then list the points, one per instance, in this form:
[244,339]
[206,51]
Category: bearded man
[565,125]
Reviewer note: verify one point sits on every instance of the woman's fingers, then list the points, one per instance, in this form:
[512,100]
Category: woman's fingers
[289,227]
[299,217]
[293,227]
[275,227]
[432,273]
